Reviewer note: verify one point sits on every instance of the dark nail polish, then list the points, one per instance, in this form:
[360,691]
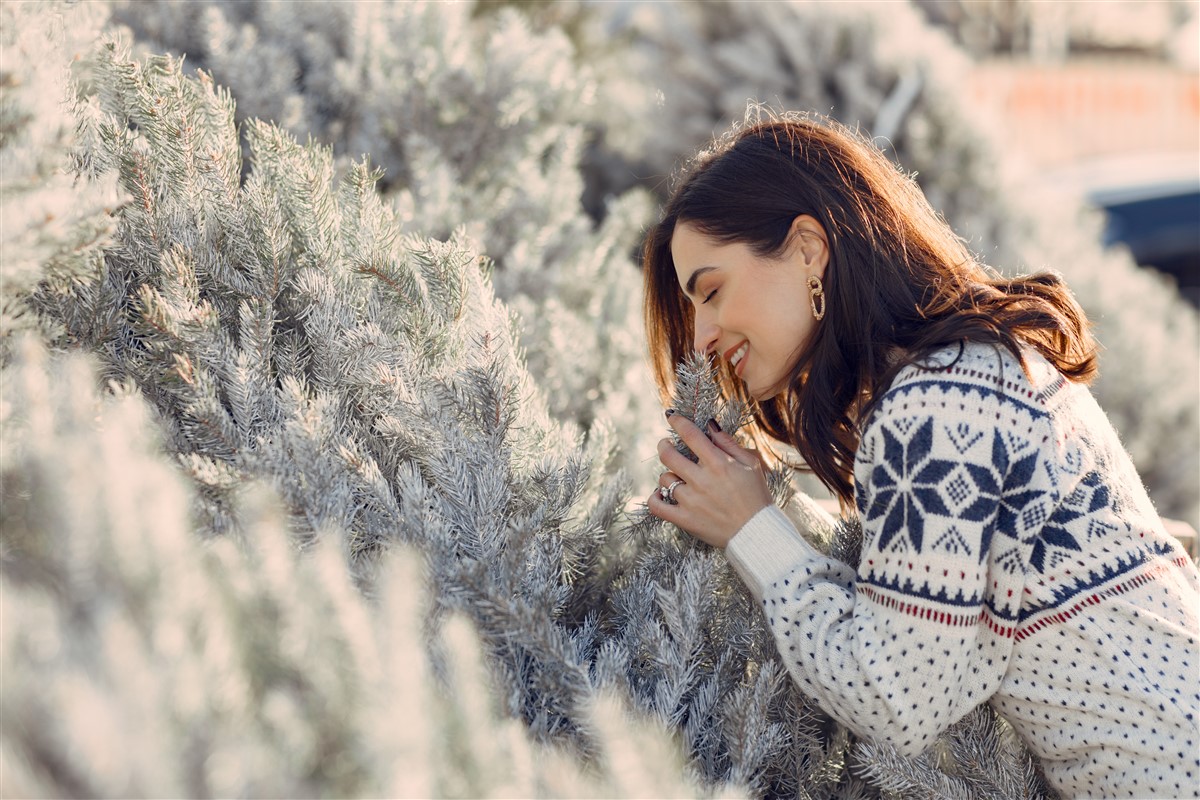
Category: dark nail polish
[669,412]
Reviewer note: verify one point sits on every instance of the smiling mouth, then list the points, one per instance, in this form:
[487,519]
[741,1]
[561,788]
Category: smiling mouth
[735,360]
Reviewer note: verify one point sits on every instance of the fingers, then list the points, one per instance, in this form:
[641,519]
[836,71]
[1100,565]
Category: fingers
[729,445]
[692,436]
[720,442]
[713,497]
[676,461]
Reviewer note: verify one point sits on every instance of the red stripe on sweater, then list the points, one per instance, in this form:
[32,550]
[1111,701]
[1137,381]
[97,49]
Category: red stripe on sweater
[999,627]
[957,620]
[1133,582]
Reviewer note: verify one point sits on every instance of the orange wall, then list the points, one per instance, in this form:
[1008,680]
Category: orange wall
[1063,113]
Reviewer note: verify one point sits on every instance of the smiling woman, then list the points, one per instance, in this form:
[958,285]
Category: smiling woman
[1010,552]
[806,193]
[744,305]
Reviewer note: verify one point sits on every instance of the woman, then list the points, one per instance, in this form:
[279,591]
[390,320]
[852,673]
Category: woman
[1011,554]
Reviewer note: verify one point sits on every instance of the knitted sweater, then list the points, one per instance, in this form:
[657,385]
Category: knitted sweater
[1010,555]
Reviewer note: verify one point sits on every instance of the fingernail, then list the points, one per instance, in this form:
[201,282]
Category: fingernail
[669,412]
[714,426]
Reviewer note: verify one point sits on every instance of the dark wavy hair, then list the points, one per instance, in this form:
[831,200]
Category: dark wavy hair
[898,280]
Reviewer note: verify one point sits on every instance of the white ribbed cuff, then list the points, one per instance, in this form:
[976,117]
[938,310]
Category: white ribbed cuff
[766,549]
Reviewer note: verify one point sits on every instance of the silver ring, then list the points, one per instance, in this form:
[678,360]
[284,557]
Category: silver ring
[668,493]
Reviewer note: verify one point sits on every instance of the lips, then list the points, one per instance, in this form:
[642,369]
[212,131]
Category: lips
[736,356]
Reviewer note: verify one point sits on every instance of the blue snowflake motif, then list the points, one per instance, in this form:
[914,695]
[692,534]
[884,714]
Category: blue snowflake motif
[905,486]
[1007,499]
[1091,495]
[909,484]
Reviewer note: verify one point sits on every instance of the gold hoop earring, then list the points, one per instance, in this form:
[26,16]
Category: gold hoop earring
[816,297]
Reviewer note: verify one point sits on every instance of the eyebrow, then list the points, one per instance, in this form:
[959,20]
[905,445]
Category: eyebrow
[691,283]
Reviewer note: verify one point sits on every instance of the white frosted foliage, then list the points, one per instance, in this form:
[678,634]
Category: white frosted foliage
[48,223]
[479,124]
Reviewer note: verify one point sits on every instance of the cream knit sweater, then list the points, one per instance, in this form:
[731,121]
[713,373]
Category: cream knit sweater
[1010,556]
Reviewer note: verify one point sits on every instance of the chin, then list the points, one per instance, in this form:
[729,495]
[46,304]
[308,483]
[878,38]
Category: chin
[762,395]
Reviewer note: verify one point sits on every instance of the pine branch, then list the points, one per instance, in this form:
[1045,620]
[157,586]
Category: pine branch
[897,776]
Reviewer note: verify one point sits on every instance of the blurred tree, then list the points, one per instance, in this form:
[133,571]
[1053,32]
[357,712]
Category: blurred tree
[51,227]
[1054,31]
[478,125]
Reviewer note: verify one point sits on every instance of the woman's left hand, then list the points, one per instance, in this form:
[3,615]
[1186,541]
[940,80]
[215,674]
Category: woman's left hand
[715,497]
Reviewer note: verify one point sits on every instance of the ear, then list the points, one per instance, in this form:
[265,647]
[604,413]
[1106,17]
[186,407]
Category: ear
[811,244]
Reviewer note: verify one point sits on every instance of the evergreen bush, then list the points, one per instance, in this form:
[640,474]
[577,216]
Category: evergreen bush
[283,334]
[478,125]
[142,660]
[52,225]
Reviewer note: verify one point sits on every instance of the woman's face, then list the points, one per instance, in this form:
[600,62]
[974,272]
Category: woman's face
[752,312]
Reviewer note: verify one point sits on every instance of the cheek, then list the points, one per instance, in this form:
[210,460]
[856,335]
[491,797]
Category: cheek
[806,326]
[794,324]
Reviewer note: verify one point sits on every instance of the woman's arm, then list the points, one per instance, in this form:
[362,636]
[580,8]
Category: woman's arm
[922,633]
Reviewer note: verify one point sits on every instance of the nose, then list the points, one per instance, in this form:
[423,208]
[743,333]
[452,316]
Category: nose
[707,334]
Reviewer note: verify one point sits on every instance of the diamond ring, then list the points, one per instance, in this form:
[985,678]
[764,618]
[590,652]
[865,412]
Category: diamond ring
[668,493]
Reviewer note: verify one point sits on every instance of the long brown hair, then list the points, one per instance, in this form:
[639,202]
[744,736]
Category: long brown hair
[897,280]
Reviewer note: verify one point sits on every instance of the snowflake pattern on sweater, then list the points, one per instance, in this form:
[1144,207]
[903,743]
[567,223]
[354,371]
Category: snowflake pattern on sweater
[1011,556]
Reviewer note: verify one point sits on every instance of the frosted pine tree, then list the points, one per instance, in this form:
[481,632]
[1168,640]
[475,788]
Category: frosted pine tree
[283,333]
[52,227]
[142,660]
[479,124]
[882,69]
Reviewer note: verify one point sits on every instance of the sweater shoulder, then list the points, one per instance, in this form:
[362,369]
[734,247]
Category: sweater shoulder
[970,414]
[960,379]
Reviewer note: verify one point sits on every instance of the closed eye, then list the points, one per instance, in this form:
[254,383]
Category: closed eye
[709,296]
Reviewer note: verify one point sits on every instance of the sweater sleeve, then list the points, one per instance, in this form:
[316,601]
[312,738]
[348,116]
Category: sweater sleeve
[917,637]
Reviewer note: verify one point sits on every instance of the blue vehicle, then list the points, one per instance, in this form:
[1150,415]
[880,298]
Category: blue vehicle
[1152,206]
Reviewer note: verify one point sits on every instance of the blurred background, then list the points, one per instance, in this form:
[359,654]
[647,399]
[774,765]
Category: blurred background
[1100,99]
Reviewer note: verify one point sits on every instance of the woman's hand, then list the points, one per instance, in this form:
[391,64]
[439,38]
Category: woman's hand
[715,497]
